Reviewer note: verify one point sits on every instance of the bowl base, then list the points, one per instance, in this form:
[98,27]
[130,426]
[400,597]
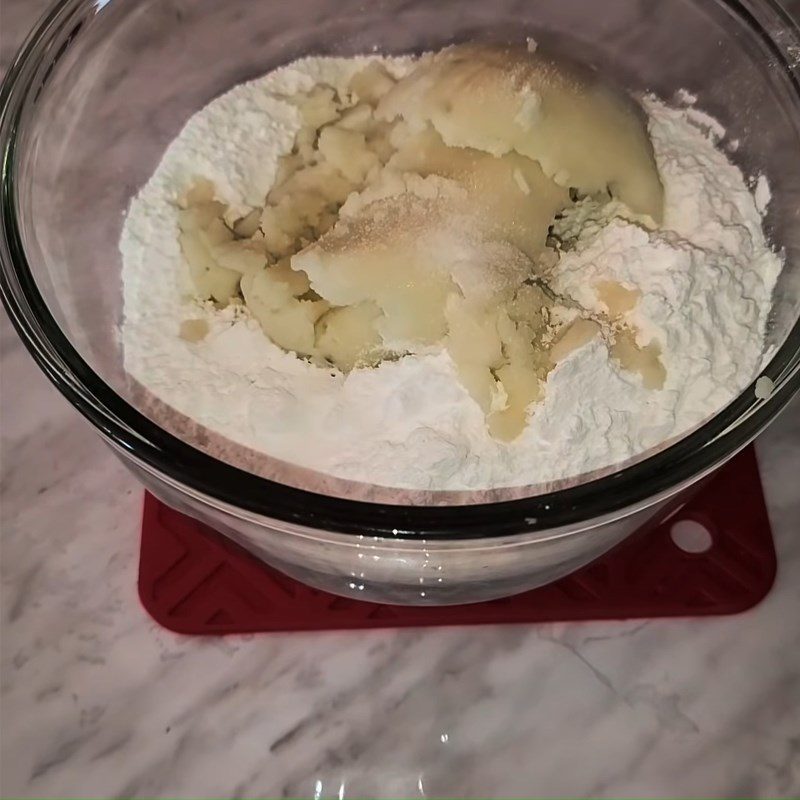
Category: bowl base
[714,556]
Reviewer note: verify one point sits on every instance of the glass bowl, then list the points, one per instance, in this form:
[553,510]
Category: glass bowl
[101,88]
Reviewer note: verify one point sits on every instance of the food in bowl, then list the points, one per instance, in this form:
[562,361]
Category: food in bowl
[484,267]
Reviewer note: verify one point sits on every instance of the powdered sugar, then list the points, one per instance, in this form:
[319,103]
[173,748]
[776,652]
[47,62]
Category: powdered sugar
[706,281]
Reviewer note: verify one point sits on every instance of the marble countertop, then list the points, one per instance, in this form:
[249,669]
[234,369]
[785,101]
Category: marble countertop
[96,700]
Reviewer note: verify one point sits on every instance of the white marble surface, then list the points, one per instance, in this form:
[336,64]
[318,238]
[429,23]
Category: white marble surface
[97,701]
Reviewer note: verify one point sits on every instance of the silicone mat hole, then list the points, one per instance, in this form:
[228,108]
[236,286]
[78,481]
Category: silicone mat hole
[691,536]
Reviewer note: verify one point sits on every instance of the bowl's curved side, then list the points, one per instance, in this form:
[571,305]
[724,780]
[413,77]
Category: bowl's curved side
[51,95]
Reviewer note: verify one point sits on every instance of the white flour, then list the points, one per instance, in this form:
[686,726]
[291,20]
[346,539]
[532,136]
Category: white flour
[706,281]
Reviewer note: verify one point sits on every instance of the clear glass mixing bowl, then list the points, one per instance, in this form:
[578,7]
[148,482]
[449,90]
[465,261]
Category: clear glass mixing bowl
[98,92]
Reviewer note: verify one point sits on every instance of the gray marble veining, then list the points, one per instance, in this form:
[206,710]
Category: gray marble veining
[97,701]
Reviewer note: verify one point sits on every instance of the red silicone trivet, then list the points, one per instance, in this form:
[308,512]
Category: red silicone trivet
[192,580]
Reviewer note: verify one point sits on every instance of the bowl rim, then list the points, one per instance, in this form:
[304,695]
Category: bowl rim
[613,495]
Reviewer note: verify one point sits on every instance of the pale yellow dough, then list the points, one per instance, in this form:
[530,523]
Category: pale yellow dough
[583,132]
[417,214]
